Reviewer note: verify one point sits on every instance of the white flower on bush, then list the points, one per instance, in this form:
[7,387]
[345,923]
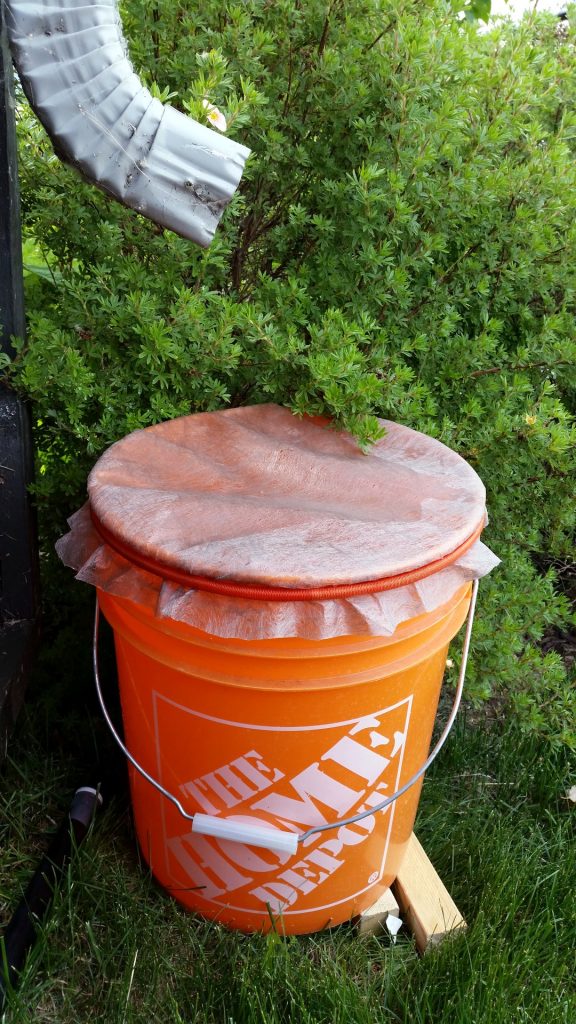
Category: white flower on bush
[215,116]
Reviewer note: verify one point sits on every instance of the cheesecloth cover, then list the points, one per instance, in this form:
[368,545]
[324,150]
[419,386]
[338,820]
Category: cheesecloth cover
[267,511]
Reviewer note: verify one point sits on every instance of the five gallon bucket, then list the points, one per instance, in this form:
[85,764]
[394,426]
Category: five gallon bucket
[281,733]
[250,711]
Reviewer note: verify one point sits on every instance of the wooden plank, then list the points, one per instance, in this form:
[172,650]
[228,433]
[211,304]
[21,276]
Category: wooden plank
[425,903]
[373,920]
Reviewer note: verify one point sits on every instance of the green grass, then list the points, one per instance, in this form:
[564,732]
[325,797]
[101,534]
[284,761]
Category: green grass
[116,950]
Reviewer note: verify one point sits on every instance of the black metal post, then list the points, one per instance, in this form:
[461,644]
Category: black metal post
[18,546]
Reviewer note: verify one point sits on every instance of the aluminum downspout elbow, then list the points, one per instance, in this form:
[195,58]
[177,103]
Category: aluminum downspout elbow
[73,64]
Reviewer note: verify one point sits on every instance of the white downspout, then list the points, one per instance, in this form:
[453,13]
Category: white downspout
[73,64]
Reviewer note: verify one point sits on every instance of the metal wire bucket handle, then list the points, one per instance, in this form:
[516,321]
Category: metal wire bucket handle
[269,837]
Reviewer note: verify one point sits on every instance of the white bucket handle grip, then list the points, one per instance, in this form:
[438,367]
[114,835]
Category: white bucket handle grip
[268,837]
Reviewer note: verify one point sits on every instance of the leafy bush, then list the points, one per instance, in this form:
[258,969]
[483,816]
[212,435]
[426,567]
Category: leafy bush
[403,244]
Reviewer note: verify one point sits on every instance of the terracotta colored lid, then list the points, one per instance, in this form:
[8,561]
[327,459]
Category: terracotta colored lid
[258,496]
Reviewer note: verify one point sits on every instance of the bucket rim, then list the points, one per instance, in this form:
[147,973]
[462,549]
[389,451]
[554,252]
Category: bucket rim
[140,629]
[259,592]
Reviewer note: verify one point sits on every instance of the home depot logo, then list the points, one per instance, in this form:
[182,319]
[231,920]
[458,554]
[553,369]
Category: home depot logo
[350,767]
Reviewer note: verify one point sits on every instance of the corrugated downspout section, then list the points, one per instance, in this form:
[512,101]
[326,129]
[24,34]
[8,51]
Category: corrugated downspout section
[73,64]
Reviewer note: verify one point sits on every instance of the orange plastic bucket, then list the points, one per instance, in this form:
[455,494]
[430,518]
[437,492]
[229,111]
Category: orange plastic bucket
[286,734]
[282,605]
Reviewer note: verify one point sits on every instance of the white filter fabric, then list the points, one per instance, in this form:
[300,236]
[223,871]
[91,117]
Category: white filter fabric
[240,618]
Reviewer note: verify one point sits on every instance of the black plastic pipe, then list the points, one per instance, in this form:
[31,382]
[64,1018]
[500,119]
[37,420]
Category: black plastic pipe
[20,934]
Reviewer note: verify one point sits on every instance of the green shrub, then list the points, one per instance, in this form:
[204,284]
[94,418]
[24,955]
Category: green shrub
[403,244]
